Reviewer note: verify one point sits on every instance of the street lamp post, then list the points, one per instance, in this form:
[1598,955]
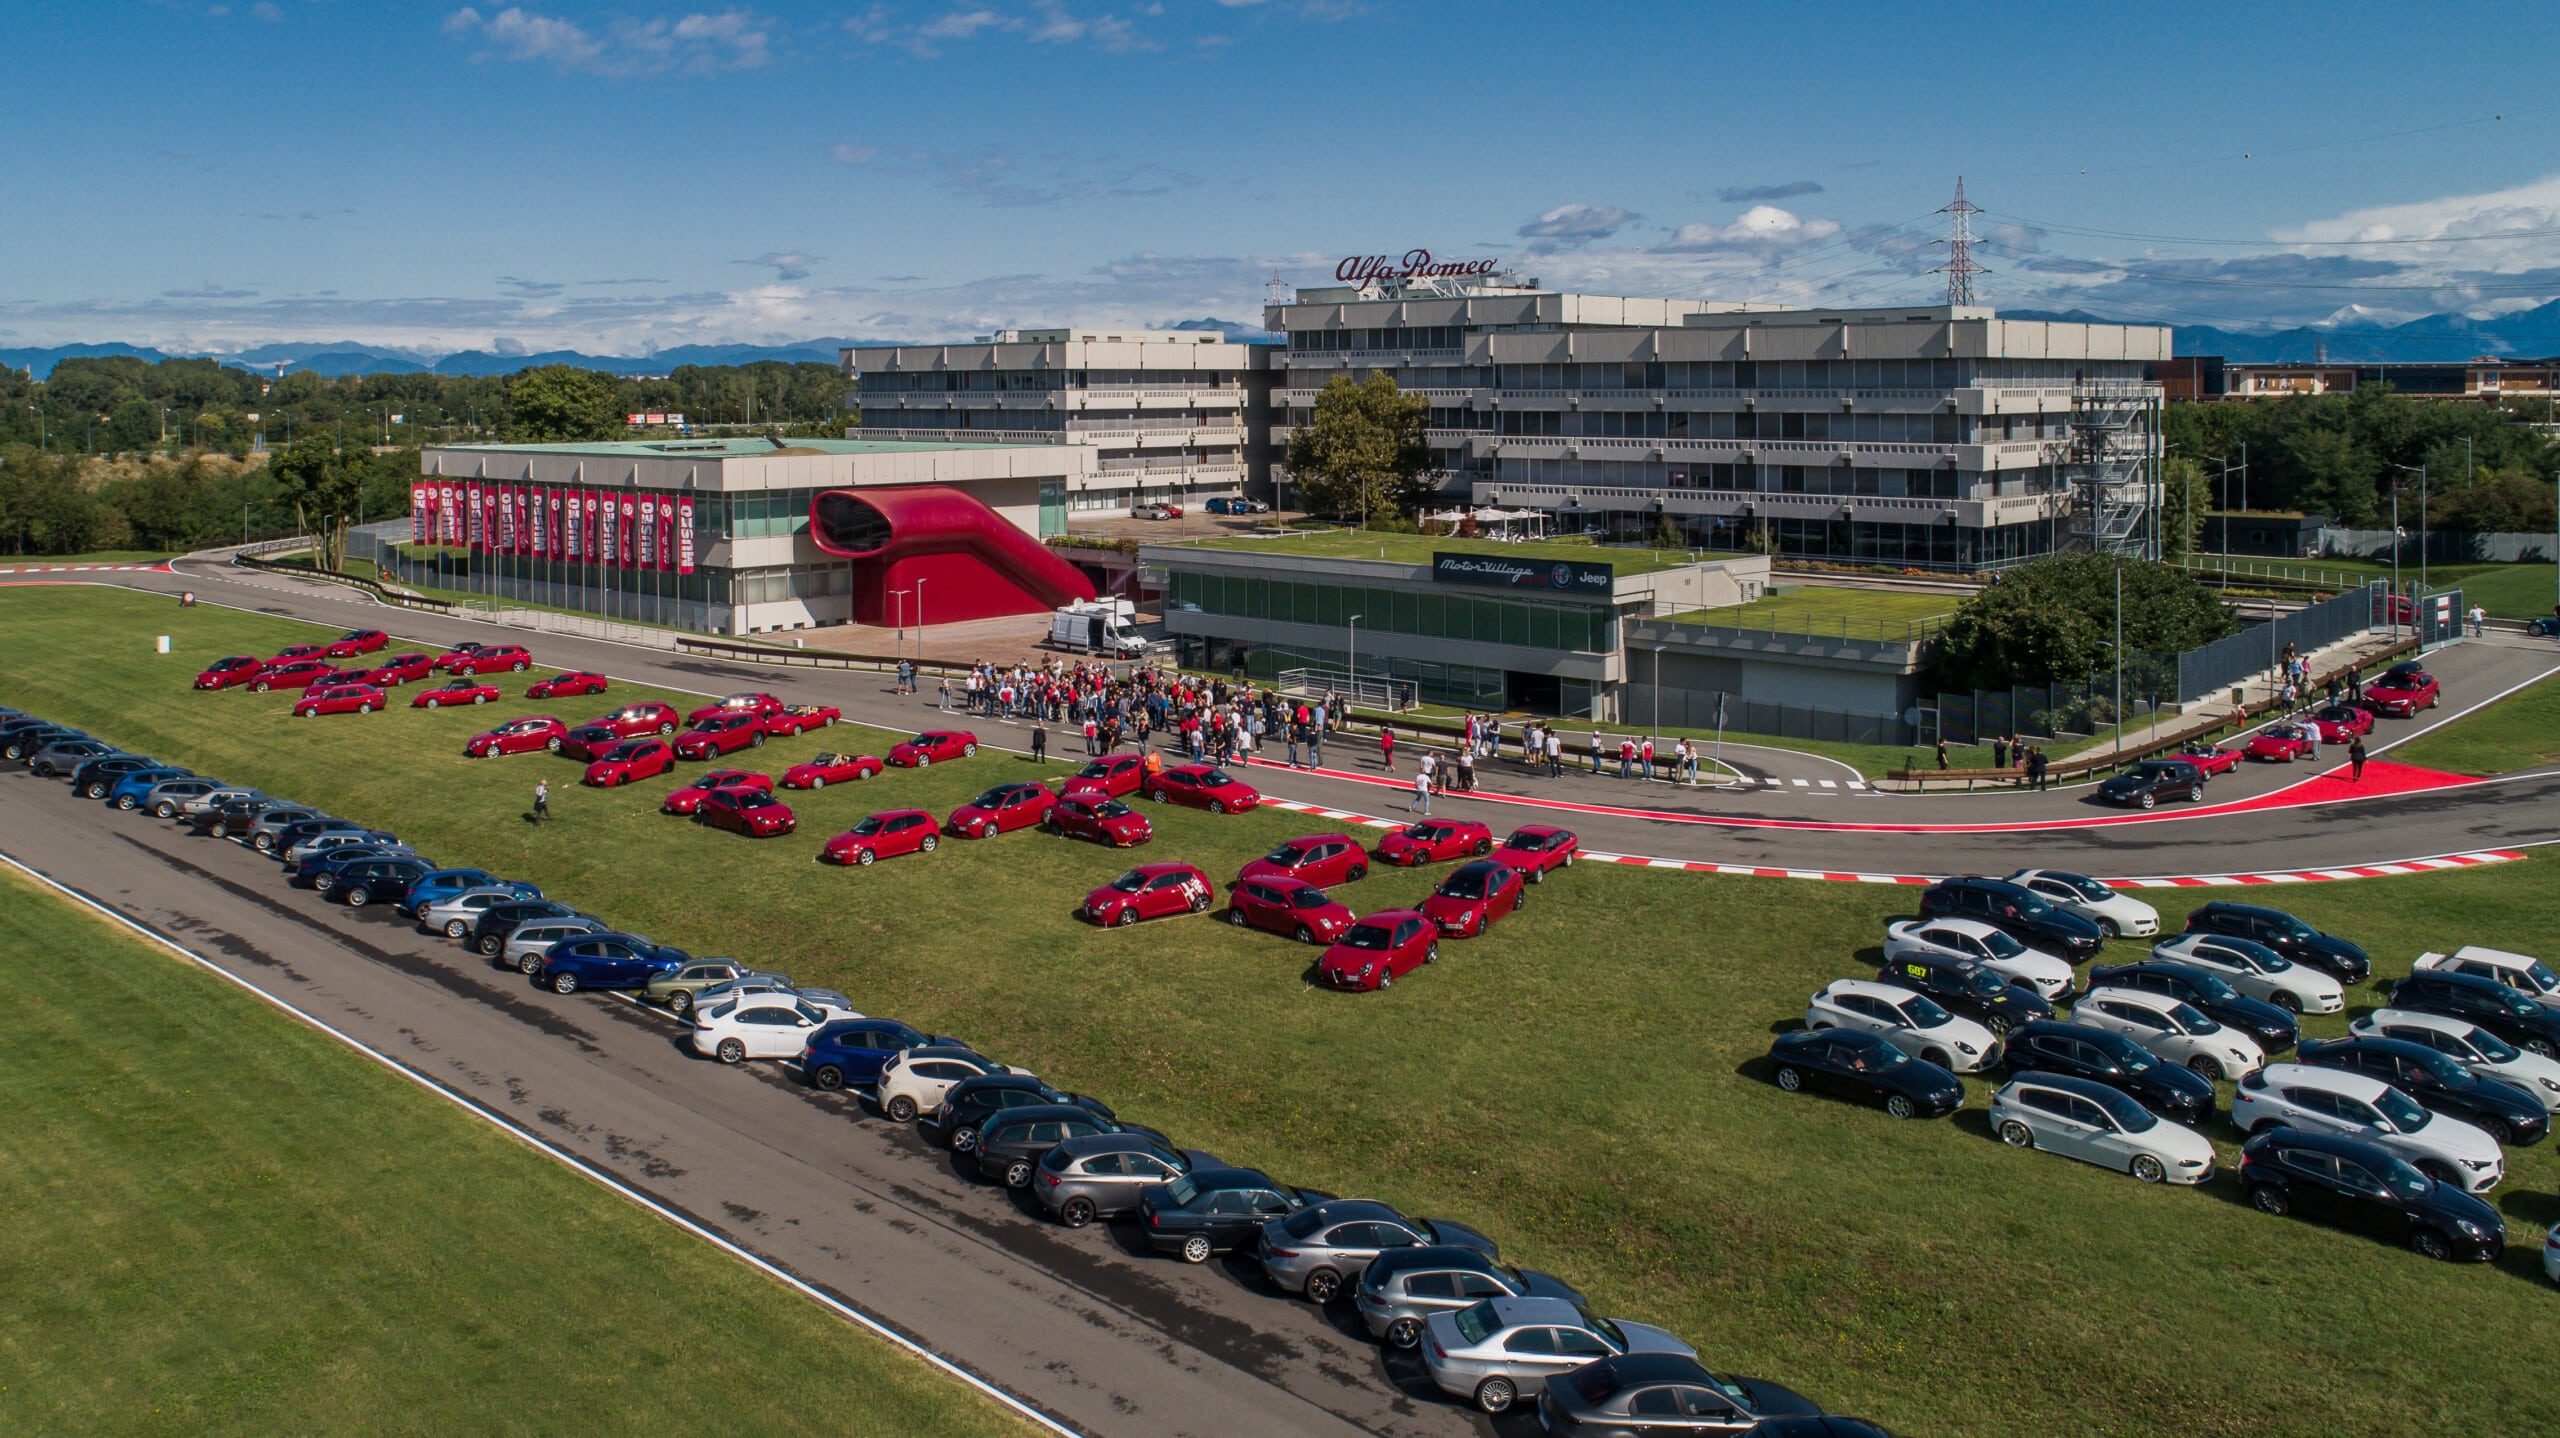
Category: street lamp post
[920,621]
[1354,664]
[900,644]
[1657,699]
[2420,470]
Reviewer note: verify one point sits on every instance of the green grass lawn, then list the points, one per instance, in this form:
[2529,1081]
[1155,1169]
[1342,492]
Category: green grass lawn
[1418,549]
[1827,609]
[2521,731]
[221,1222]
[1584,1083]
[2507,591]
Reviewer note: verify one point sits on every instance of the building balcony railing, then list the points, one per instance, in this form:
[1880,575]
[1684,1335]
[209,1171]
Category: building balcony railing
[1974,511]
[950,434]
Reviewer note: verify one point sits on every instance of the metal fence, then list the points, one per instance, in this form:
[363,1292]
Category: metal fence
[1366,691]
[2211,668]
[1745,718]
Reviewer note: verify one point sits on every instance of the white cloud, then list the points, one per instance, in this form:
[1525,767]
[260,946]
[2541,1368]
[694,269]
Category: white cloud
[1040,22]
[266,11]
[1762,229]
[1578,224]
[692,43]
[785,264]
[848,152]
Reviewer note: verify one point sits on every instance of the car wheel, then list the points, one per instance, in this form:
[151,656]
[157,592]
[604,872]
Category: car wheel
[1126,918]
[730,1051]
[2204,1064]
[480,699]
[1939,1057]
[930,843]
[490,946]
[2539,1046]
[2431,1243]
[1076,1212]
[263,842]
[1017,1174]
[1496,1394]
[1236,917]
[2151,801]
[667,728]
[1158,796]
[682,1002]
[529,965]
[552,743]
[1899,1106]
[924,761]
[964,1140]
[358,897]
[1431,954]
[2267,1198]
[455,928]
[901,1109]
[1197,1249]
[2017,1135]
[2497,1130]
[968,749]
[755,741]
[164,810]
[261,687]
[220,831]
[1386,982]
[2107,929]
[94,791]
[1356,873]
[1482,848]
[818,781]
[1322,1285]
[564,982]
[1790,1078]
[2148,1169]
[1199,903]
[1306,935]
[2287,1002]
[433,703]
[127,803]
[828,1077]
[516,668]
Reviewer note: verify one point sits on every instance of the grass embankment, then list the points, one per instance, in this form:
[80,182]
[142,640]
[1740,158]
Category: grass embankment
[2507,591]
[221,1222]
[2521,731]
[1828,610]
[1583,1083]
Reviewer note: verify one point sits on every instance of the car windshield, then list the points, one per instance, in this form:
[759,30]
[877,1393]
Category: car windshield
[992,799]
[1527,842]
[1609,1332]
[1180,1192]
[1477,1323]
[1288,856]
[1464,884]
[1309,899]
[2129,1115]
[2293,928]
[2402,1110]
[2443,1069]
[922,741]
[2001,946]
[872,824]
[2192,1019]
[1978,981]
[624,751]
[1095,770]
[2086,888]
[1110,809]
[2214,990]
[1923,1013]
[2539,976]
[1368,936]
[2029,906]
[2398,1175]
[2132,1057]
[2493,1048]
[1130,882]
[753,799]
[1214,778]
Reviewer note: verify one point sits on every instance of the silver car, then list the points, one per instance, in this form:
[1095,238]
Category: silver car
[168,798]
[57,759]
[1099,1175]
[345,839]
[265,829]
[1318,1249]
[454,914]
[530,941]
[214,798]
[1499,1351]
[1401,1289]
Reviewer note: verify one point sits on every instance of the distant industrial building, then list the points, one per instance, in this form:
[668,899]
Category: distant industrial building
[2483,381]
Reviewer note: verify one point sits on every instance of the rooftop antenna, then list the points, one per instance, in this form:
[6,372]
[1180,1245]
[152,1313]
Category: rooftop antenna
[1960,268]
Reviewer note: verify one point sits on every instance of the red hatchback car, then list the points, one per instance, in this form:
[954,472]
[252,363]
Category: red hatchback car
[721,734]
[486,659]
[292,674]
[633,720]
[752,812]
[801,718]
[629,760]
[1092,814]
[568,685]
[1204,786]
[518,736]
[357,641]
[830,768]
[587,741]
[456,691]
[399,669]
[225,673]
[1433,840]
[1323,860]
[758,705]
[2340,723]
[2402,691]
[1151,891]
[688,798]
[2279,744]
[1002,809]
[933,746]
[1114,774]
[1473,896]
[884,835]
[1533,849]
[1377,949]
[295,653]
[1287,906]
[339,699]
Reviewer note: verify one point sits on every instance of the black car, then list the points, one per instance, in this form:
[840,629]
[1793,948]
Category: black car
[311,828]
[2017,911]
[1402,1287]
[2498,1108]
[2526,1023]
[377,881]
[968,1105]
[2145,784]
[1974,990]
[232,820]
[489,932]
[1639,1395]
[93,778]
[20,740]
[1215,1210]
[2286,935]
[2364,1186]
[1865,1067]
[2273,1027]
[1012,1143]
[2172,1091]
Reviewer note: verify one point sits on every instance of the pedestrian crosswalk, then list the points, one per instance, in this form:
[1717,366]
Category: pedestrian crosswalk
[1774,782]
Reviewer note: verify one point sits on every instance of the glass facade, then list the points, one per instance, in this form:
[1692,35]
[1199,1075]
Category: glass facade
[765,514]
[1427,613]
[1463,685]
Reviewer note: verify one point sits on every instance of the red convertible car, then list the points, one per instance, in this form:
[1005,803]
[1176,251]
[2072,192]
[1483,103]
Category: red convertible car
[1151,891]
[322,699]
[759,705]
[801,718]
[830,768]
[355,642]
[399,669]
[224,673]
[1092,814]
[689,797]
[752,812]
[292,674]
[2340,723]
[2403,690]
[721,734]
[1533,849]
[568,685]
[629,760]
[1287,906]
[1002,809]
[2209,760]
[1114,774]
[518,736]
[1473,896]
[633,720]
[297,652]
[884,835]
[1323,860]
[2279,744]
[933,746]
[1378,948]
[1204,786]
[1434,840]
[456,691]
[486,659]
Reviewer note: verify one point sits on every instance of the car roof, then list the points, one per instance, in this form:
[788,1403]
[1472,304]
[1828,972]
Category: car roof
[1233,1178]
[1479,866]
[2417,1019]
[2255,911]
[1344,1210]
[1526,1311]
[1092,1143]
[2353,1085]
[2101,1094]
[1871,988]
[2355,1043]
[2142,998]
[950,1051]
[1633,1369]
[1976,928]
[2495,958]
[1167,867]
[1039,1112]
[2332,1143]
[1437,1255]
[1393,916]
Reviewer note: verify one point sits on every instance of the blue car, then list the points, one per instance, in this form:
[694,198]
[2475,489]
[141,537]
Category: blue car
[445,883]
[851,1051]
[606,961]
[129,791]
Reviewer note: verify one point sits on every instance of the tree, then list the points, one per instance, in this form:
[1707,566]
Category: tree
[2186,492]
[560,402]
[1362,454]
[322,484]
[2053,620]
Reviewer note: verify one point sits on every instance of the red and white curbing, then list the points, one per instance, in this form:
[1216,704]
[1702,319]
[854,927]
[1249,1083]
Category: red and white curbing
[2393,869]
[81,568]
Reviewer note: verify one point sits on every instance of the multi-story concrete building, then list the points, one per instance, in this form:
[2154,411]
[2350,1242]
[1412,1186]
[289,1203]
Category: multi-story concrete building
[1922,435]
[1172,415]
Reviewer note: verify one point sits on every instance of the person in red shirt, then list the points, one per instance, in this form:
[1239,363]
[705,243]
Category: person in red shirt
[1387,747]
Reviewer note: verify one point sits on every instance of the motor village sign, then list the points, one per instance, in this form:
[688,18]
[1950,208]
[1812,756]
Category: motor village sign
[1414,265]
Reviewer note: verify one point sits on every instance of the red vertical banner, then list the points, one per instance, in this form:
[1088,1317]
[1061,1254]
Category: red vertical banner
[648,543]
[684,535]
[666,533]
[488,519]
[626,533]
[607,527]
[420,504]
[471,516]
[577,524]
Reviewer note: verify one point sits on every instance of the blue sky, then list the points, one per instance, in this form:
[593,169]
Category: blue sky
[629,177]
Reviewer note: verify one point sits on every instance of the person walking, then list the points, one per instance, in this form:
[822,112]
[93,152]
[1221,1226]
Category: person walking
[2037,766]
[2479,621]
[1039,740]
[1942,754]
[1467,770]
[1596,751]
[541,800]
[1429,768]
[1555,753]
[1294,731]
[1421,803]
[2355,760]
[1387,747]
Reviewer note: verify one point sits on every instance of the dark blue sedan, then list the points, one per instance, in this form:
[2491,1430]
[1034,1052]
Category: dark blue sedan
[1865,1067]
[851,1051]
[445,883]
[606,961]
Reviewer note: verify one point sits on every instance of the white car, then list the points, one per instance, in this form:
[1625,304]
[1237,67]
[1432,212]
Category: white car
[2469,1045]
[2118,915]
[914,1082]
[1993,949]
[758,1026]
[2172,1029]
[2258,971]
[2082,1119]
[530,941]
[837,1005]
[1911,1022]
[2361,1106]
[454,914]
[2527,975]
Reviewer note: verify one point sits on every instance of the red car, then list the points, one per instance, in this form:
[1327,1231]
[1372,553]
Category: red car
[1204,786]
[353,674]
[1323,860]
[933,746]
[2340,723]
[518,736]
[629,760]
[456,691]
[292,674]
[1287,906]
[1006,807]
[2208,759]
[759,705]
[399,669]
[1473,896]
[689,798]
[752,812]
[1092,814]
[721,734]
[830,768]
[1151,891]
[1378,948]
[338,699]
[2279,744]
[1434,840]
[568,685]
[299,652]
[2403,690]
[224,673]
[884,835]
[1533,849]
[355,642]
[633,720]
[801,718]
[1114,774]
[486,659]
[587,741]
